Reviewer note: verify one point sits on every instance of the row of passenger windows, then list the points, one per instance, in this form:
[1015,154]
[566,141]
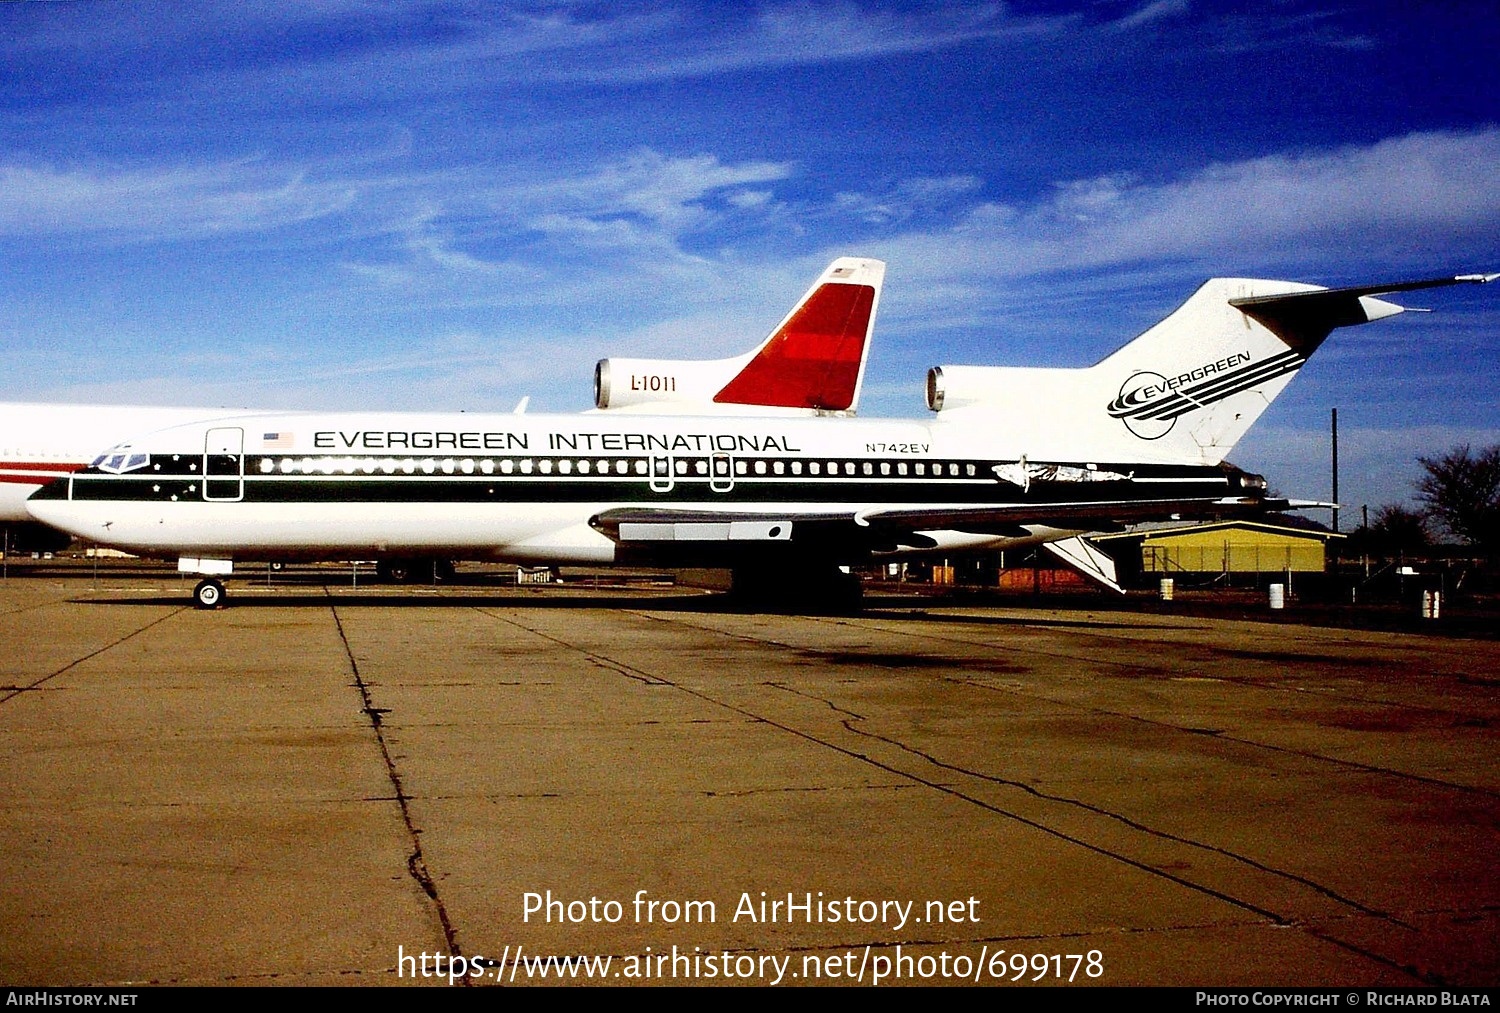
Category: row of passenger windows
[656,468]
[935,469]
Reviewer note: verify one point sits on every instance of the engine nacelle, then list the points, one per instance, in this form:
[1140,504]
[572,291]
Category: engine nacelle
[626,383]
[950,387]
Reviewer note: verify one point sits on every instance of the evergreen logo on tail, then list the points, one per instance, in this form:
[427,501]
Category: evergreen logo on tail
[1149,403]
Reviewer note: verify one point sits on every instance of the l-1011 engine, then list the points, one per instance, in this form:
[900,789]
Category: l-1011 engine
[627,383]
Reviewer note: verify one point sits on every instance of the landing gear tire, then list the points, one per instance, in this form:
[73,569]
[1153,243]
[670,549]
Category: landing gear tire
[412,571]
[394,571]
[209,594]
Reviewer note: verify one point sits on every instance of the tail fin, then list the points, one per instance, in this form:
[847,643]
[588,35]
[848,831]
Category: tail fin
[813,361]
[1187,389]
[816,357]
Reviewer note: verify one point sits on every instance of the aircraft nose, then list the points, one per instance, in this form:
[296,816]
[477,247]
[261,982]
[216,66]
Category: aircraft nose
[52,505]
[54,490]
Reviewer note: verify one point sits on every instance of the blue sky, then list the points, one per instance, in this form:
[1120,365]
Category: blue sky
[351,204]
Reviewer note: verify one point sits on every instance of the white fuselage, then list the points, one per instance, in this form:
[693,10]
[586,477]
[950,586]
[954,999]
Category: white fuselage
[533,488]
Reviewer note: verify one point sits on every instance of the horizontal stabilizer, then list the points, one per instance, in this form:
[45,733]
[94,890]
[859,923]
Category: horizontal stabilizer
[1356,291]
[1303,319]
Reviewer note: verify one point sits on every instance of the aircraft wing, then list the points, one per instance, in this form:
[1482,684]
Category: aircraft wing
[905,524]
[1081,516]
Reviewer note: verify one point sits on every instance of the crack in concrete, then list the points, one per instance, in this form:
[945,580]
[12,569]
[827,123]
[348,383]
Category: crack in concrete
[1275,918]
[416,862]
[17,691]
[1121,818]
[1149,870]
[1011,687]
[809,696]
[1328,892]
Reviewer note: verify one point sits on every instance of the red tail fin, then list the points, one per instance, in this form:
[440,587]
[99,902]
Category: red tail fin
[815,359]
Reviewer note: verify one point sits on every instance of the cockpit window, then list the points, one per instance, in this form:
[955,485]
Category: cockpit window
[119,460]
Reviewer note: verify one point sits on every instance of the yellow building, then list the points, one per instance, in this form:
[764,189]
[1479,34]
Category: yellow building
[1225,547]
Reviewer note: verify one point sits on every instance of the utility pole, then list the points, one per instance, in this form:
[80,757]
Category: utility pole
[1364,512]
[1335,426]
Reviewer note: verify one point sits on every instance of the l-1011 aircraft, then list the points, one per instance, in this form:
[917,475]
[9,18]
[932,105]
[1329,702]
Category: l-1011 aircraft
[1013,457]
[812,363]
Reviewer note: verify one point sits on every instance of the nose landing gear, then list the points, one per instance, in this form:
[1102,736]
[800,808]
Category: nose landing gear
[209,594]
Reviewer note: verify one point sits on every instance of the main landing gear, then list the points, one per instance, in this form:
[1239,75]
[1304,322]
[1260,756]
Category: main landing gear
[209,594]
[414,571]
[815,590]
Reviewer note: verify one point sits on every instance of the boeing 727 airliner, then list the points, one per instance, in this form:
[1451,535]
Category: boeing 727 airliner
[1012,457]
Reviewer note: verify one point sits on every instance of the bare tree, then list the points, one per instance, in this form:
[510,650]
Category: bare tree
[1461,490]
[1393,530]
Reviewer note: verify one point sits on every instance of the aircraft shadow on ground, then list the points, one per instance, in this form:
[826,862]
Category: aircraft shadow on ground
[898,608]
[697,602]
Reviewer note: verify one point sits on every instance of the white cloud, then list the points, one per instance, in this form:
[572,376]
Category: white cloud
[666,191]
[1155,11]
[162,203]
[907,199]
[452,47]
[1392,201]
[623,49]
